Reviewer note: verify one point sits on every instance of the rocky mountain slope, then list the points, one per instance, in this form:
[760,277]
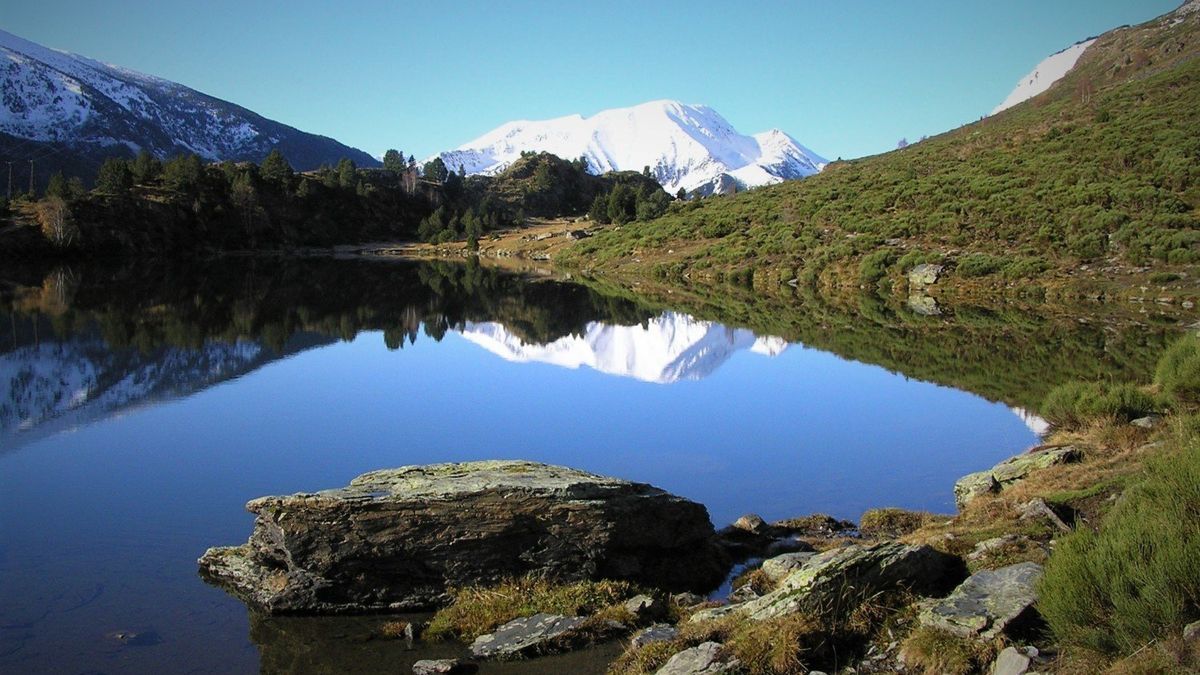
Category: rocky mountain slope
[66,110]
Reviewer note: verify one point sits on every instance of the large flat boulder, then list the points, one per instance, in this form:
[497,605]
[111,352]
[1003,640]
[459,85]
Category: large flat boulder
[397,539]
[824,580]
[988,603]
[525,636]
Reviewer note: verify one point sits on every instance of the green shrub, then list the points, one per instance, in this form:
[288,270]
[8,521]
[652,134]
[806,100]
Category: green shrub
[1137,579]
[979,265]
[1178,371]
[1071,405]
[874,266]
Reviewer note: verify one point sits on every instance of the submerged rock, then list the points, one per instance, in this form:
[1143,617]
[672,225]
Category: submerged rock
[988,603]
[527,635]
[396,539]
[1010,471]
[659,632]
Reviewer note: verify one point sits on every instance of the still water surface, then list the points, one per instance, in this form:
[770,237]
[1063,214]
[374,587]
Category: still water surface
[120,463]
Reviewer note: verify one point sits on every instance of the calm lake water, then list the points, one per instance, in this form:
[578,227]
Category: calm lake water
[139,411]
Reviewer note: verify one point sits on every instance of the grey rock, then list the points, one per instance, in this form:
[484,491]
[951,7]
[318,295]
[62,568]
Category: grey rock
[1147,422]
[659,632]
[777,568]
[703,659]
[1011,662]
[527,635]
[397,539]
[925,275]
[1191,632]
[645,607]
[753,523]
[686,599]
[1037,508]
[988,545]
[987,603]
[825,578]
[1010,471]
[443,667]
[743,594]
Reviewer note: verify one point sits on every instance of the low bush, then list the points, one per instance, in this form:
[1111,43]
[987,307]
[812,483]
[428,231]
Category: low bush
[1074,404]
[1178,371]
[893,522]
[937,652]
[1137,579]
[979,265]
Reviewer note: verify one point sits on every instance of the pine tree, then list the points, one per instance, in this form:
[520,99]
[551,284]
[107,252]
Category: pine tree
[393,160]
[146,167]
[58,186]
[435,170]
[681,195]
[275,168]
[347,173]
[115,178]
[599,211]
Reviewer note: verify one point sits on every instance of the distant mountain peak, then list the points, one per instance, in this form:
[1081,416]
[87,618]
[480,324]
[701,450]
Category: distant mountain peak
[685,145]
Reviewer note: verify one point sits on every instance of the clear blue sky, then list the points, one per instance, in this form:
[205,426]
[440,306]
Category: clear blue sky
[845,78]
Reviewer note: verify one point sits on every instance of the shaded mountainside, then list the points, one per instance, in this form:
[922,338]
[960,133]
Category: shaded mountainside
[69,112]
[1093,180]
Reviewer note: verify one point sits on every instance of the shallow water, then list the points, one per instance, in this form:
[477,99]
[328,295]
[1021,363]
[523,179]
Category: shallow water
[135,429]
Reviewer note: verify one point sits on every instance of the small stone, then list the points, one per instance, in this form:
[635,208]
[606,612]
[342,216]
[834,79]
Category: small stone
[1038,508]
[925,274]
[659,632]
[1011,662]
[752,523]
[703,659]
[644,607]
[1147,422]
[443,667]
[686,599]
[1191,632]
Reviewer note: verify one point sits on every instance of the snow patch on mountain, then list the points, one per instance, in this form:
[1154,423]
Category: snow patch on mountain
[688,146]
[1050,70]
[53,96]
[670,348]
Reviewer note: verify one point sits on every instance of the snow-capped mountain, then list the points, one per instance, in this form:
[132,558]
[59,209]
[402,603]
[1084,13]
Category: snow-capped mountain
[670,348]
[78,105]
[59,385]
[688,146]
[1050,70]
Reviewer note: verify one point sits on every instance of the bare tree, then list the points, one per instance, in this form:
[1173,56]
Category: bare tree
[58,226]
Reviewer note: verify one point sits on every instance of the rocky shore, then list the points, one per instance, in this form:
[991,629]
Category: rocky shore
[530,560]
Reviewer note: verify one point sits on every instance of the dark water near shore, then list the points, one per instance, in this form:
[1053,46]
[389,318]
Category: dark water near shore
[140,410]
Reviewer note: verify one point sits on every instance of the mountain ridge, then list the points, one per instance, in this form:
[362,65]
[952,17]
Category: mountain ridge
[72,111]
[685,146]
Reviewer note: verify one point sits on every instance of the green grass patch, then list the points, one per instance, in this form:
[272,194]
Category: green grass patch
[1178,372]
[1074,404]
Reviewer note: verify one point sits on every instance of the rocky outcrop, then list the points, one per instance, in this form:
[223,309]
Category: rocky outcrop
[659,632]
[823,580]
[1010,471]
[988,603]
[525,636]
[396,539]
[443,667]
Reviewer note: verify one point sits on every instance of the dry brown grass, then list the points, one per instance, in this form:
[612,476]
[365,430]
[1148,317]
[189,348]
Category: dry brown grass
[1171,656]
[476,610]
[889,523]
[936,652]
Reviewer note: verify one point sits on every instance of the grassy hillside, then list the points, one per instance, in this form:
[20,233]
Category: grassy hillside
[1097,179]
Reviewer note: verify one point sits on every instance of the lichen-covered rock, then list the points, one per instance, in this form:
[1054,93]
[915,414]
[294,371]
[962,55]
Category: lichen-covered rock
[925,274]
[396,539]
[987,603]
[776,569]
[824,580]
[1010,661]
[659,632]
[703,659]
[1010,471]
[443,667]
[527,635]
